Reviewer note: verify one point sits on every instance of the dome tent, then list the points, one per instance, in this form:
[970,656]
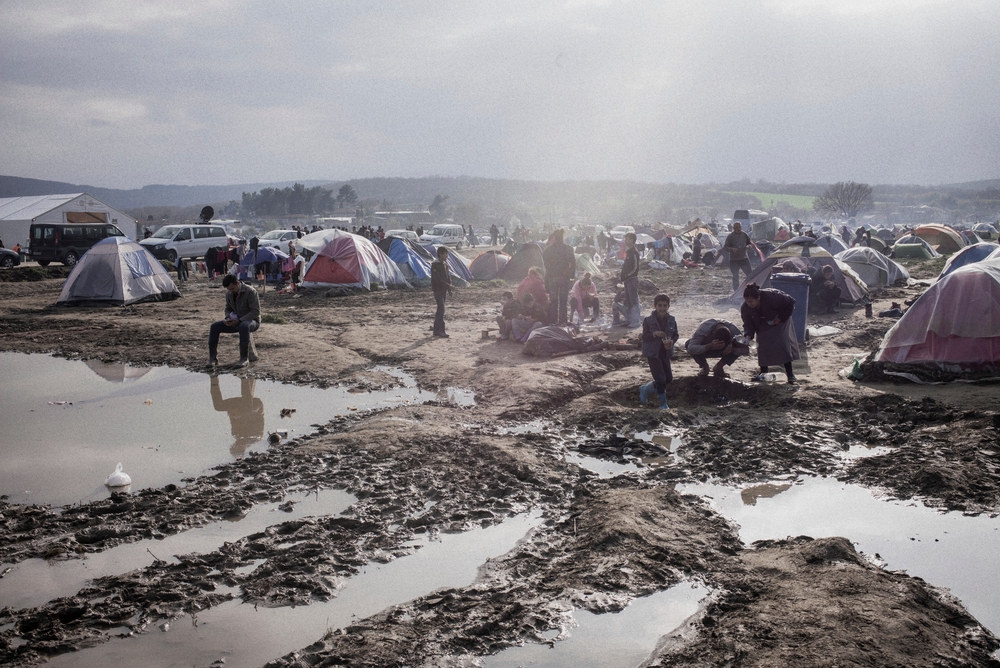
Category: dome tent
[414,266]
[968,255]
[954,326]
[831,244]
[342,259]
[875,269]
[852,288]
[529,255]
[488,265]
[118,272]
[941,238]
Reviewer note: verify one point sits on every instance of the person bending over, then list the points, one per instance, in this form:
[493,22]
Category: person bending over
[714,338]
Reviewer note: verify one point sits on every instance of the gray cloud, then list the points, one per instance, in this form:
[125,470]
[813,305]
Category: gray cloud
[232,91]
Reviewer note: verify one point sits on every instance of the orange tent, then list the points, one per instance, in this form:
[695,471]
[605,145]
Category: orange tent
[941,238]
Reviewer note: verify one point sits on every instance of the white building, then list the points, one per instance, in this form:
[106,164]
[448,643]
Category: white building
[18,213]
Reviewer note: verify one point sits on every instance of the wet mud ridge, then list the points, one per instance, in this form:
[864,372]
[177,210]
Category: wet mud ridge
[528,445]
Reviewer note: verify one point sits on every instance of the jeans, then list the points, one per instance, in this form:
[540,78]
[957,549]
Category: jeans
[632,301]
[702,360]
[735,266]
[662,374]
[439,297]
[589,301]
[245,328]
[559,304]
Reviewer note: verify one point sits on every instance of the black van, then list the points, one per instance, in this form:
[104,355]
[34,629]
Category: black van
[66,242]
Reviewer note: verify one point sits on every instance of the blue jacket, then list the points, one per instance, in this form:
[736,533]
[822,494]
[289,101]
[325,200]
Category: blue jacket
[653,346]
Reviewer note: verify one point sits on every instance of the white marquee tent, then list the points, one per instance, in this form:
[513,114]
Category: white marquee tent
[18,213]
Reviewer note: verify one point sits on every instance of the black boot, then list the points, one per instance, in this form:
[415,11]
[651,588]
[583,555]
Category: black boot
[213,356]
[244,351]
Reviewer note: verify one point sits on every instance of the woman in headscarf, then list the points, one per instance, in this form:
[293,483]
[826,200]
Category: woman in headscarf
[767,315]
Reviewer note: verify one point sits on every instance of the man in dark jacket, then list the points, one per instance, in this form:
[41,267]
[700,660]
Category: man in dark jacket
[441,286]
[560,269]
[242,316]
[736,244]
[630,280]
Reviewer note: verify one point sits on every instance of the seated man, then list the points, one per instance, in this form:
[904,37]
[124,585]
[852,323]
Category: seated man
[242,316]
[825,290]
[714,338]
[532,316]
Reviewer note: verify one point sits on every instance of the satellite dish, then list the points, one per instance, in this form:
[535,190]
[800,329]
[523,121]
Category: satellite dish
[207,213]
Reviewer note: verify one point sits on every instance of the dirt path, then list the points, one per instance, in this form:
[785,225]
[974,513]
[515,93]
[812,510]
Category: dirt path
[441,467]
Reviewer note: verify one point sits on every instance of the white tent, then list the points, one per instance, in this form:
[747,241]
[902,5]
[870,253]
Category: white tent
[875,269]
[117,271]
[18,213]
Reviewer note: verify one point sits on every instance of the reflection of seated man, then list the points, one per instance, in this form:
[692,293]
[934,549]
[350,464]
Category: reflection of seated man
[825,292]
[246,414]
[714,338]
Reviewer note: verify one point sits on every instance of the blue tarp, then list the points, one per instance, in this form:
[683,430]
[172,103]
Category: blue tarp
[403,255]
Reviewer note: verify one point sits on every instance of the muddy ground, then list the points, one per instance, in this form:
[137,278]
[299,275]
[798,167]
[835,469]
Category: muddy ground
[439,467]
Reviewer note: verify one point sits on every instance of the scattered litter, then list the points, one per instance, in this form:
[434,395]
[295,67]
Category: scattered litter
[826,330]
[60,403]
[149,402]
[287,412]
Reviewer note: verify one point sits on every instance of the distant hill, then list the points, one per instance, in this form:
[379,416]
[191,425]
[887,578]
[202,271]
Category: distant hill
[155,195]
[612,199]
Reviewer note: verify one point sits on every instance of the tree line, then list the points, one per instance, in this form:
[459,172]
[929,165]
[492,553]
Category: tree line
[298,199]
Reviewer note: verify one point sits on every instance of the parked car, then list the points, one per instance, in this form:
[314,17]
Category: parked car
[619,232]
[445,234]
[278,239]
[9,258]
[187,241]
[66,242]
[403,234]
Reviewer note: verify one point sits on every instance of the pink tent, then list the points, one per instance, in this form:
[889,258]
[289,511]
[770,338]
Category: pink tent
[346,260]
[954,326]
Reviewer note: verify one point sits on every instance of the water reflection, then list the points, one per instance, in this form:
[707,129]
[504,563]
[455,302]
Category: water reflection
[117,372]
[246,414]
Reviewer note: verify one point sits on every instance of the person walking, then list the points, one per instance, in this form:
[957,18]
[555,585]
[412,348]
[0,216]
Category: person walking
[441,285]
[736,244]
[242,316]
[767,315]
[659,334]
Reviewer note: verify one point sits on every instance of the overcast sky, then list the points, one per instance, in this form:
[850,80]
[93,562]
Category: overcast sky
[125,94]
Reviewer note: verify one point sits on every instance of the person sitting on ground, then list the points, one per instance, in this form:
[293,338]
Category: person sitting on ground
[532,316]
[825,290]
[659,334]
[714,338]
[510,310]
[242,316]
[534,285]
[584,296]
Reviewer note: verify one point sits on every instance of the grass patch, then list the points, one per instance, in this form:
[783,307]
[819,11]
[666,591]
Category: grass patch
[493,283]
[273,318]
[798,201]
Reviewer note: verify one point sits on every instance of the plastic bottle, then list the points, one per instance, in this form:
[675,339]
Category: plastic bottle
[768,377]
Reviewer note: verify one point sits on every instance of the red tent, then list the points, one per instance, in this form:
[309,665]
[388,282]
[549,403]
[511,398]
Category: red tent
[347,260]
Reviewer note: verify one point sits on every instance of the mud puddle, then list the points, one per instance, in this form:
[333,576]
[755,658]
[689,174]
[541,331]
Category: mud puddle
[36,581]
[245,635]
[68,423]
[948,550]
[611,640]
